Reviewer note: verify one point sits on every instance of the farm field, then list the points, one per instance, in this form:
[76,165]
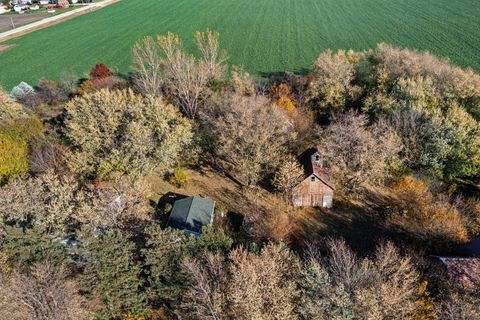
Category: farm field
[265,36]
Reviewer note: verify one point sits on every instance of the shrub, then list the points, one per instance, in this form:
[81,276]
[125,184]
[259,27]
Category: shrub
[14,145]
[21,90]
[100,71]
[9,109]
[179,178]
[51,93]
[47,156]
[427,216]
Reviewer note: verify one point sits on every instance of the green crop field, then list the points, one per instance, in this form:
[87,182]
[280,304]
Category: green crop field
[263,35]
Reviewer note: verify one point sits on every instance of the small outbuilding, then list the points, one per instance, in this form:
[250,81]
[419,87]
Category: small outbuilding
[191,214]
[317,187]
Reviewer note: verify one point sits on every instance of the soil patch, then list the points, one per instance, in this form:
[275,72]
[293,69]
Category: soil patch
[19,20]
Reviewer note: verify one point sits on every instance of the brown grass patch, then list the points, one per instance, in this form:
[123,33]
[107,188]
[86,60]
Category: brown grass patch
[5,47]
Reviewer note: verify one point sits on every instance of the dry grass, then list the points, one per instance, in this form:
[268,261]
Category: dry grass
[5,47]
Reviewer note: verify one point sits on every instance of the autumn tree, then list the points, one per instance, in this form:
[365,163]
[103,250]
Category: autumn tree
[48,201]
[436,214]
[118,131]
[165,66]
[332,77]
[9,109]
[99,71]
[248,286]
[242,82]
[344,286]
[120,204]
[359,153]
[251,134]
[288,175]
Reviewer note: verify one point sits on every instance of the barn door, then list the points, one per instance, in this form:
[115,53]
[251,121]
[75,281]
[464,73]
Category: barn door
[327,201]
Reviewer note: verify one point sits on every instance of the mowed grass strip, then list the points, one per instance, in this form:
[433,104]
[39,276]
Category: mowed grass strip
[265,36]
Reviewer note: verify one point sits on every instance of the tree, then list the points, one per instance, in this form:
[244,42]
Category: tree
[100,71]
[24,247]
[288,175]
[147,66]
[112,276]
[206,297]
[49,201]
[263,286]
[332,81]
[166,67]
[359,153]
[120,204]
[118,131]
[9,109]
[343,286]
[322,298]
[247,286]
[44,293]
[242,82]
[15,138]
[164,252]
[252,135]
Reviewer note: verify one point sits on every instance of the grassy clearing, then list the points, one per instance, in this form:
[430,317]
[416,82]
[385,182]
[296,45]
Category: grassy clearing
[264,35]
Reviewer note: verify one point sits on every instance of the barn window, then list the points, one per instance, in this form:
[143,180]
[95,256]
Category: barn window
[317,157]
[313,178]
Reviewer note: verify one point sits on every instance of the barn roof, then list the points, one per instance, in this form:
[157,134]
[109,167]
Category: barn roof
[191,214]
[309,168]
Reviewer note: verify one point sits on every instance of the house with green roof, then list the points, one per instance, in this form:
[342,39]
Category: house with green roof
[191,214]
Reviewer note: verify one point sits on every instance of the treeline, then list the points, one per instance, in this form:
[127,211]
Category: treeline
[78,238]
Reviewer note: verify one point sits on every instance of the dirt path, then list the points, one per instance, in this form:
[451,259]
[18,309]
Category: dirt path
[52,20]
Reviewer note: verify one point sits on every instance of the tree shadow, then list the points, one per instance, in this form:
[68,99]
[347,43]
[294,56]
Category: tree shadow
[165,201]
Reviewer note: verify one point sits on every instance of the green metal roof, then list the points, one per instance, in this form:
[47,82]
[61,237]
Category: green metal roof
[191,214]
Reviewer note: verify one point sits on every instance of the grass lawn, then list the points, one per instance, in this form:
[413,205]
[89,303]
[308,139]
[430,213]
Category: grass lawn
[264,35]
[355,221]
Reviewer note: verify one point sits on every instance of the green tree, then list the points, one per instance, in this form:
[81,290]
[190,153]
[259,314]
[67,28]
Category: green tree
[165,250]
[24,247]
[112,276]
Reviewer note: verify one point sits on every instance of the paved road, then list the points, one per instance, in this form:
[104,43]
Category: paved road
[38,24]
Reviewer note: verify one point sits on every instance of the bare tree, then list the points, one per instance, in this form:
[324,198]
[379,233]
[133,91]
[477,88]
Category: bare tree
[359,153]
[148,68]
[207,297]
[165,66]
[212,56]
[44,294]
[252,136]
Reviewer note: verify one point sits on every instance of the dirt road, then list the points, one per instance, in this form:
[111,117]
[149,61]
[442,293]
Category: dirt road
[51,20]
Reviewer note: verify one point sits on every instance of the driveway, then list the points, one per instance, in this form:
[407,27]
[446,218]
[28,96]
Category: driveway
[45,22]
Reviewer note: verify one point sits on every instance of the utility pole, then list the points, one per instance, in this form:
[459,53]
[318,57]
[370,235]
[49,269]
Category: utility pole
[13,25]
